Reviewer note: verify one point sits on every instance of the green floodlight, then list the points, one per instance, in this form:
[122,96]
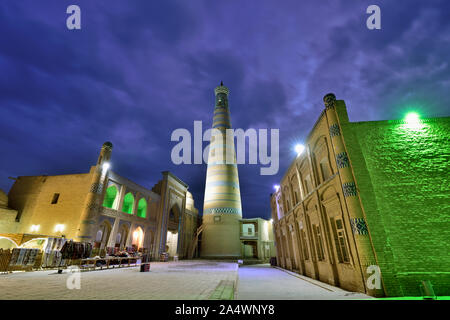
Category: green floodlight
[412,121]
[412,118]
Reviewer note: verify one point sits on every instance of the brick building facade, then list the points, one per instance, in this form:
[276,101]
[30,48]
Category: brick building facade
[368,197]
[104,208]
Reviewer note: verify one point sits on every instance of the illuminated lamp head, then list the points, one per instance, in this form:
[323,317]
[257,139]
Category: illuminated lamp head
[106,166]
[299,148]
[412,118]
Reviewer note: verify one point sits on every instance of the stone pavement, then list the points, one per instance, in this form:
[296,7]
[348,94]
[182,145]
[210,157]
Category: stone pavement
[182,280]
[196,279]
[262,282]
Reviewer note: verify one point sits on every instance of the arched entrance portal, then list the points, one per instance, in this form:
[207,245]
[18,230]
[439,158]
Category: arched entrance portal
[121,237]
[172,231]
[102,235]
[138,238]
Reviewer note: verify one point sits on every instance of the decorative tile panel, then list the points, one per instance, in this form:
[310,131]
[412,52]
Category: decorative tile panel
[349,189]
[359,226]
[222,210]
[335,130]
[96,188]
[342,160]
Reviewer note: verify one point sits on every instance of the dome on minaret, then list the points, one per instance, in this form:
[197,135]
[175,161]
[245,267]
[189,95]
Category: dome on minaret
[221,89]
[108,144]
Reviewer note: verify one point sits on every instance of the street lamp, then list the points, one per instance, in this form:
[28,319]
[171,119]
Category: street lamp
[412,120]
[106,166]
[299,148]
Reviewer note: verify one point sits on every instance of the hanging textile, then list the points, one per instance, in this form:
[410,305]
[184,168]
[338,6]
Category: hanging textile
[67,250]
[57,245]
[88,250]
[32,256]
[51,257]
[21,256]
[14,256]
[49,246]
[57,258]
[25,257]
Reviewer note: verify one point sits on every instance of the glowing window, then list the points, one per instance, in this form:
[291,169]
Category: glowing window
[110,196]
[128,202]
[142,208]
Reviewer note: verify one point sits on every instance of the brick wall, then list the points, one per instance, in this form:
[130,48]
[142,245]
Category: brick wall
[402,172]
[32,198]
[8,220]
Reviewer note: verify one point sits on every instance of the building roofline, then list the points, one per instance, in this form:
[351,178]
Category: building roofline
[131,183]
[51,175]
[308,136]
[168,173]
[400,121]
[376,122]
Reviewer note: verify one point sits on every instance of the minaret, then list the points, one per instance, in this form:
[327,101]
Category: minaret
[350,190]
[222,207]
[93,203]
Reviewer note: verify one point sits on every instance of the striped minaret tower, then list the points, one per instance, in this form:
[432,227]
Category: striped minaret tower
[222,207]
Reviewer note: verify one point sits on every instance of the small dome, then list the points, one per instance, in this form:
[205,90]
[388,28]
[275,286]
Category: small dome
[3,199]
[108,144]
[330,100]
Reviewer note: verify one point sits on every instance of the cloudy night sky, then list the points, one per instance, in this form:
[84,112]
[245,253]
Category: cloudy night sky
[137,70]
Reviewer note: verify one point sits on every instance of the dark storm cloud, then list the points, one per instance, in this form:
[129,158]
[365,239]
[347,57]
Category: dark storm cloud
[138,70]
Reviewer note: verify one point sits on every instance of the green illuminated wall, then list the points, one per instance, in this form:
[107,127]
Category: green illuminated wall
[402,172]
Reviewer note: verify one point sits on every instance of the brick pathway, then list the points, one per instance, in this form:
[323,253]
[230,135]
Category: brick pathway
[196,279]
[262,282]
[182,280]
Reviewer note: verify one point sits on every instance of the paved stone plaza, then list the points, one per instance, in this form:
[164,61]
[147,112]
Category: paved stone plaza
[190,280]
[166,281]
[262,282]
